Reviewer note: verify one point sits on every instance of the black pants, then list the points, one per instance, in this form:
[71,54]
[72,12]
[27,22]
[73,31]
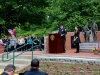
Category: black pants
[11,49]
[37,47]
[21,47]
[77,47]
[29,47]
[42,46]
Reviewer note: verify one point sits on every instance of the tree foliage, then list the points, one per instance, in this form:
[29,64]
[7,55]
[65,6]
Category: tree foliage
[32,15]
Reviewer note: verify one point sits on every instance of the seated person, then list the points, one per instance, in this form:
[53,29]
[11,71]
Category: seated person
[42,42]
[29,42]
[5,41]
[21,42]
[9,70]
[13,43]
[37,42]
[35,69]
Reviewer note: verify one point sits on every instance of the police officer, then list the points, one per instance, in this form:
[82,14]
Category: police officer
[63,33]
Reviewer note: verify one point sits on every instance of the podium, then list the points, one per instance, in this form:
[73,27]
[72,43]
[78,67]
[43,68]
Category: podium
[55,43]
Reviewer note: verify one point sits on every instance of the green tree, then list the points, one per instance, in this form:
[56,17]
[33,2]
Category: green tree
[33,15]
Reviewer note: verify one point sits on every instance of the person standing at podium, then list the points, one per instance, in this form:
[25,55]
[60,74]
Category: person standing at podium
[62,31]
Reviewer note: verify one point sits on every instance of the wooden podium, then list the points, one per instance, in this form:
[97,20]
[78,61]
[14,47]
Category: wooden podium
[55,43]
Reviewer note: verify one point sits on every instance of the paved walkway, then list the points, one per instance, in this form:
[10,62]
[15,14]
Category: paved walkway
[68,57]
[68,53]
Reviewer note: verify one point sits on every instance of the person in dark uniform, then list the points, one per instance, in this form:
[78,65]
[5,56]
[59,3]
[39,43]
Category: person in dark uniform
[77,39]
[34,69]
[63,33]
[42,42]
[37,42]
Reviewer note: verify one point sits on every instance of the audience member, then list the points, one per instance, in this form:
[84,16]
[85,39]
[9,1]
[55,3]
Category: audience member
[32,37]
[21,42]
[13,43]
[42,42]
[9,70]
[37,42]
[25,38]
[35,69]
[4,39]
[29,42]
[5,42]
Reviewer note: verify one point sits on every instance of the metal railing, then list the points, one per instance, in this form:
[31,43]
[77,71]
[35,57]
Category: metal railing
[13,51]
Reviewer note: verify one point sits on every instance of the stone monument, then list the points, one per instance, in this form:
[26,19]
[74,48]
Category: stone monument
[94,29]
[90,36]
[85,31]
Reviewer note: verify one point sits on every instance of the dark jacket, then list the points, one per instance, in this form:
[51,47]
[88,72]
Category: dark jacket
[62,31]
[42,40]
[37,41]
[35,72]
[4,73]
[76,34]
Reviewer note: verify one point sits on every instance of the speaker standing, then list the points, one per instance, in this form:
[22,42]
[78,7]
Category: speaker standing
[62,31]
